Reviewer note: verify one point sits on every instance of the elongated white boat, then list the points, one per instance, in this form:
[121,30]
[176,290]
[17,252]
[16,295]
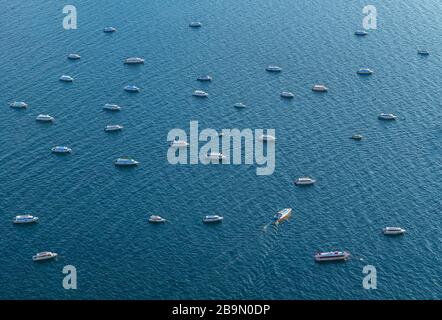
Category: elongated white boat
[125,162]
[66,78]
[267,137]
[179,144]
[387,116]
[393,231]
[215,156]
[361,33]
[331,256]
[304,181]
[18,105]
[24,219]
[109,29]
[282,215]
[423,52]
[204,78]
[320,88]
[356,137]
[200,93]
[365,71]
[287,94]
[195,24]
[46,255]
[113,127]
[74,56]
[134,60]
[212,218]
[111,107]
[239,105]
[44,118]
[132,88]
[273,68]
[61,149]
[156,219]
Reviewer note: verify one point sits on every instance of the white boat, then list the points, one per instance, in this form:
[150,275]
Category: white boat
[134,60]
[215,156]
[356,137]
[331,256]
[109,29]
[18,104]
[287,94]
[365,71]
[61,149]
[156,219]
[423,52]
[239,105]
[204,78]
[112,107]
[74,56]
[44,256]
[304,181]
[132,88]
[361,33]
[200,93]
[267,137]
[66,78]
[212,218]
[113,127]
[125,162]
[23,219]
[195,24]
[273,68]
[319,88]
[179,144]
[44,118]
[387,116]
[282,215]
[393,231]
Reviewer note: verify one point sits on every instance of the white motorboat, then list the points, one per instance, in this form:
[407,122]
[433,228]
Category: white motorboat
[361,33]
[304,181]
[156,219]
[365,71]
[134,60]
[113,127]
[387,116]
[215,156]
[195,24]
[273,68]
[61,149]
[125,162]
[111,107]
[18,105]
[200,93]
[393,231]
[109,29]
[320,88]
[74,56]
[356,137]
[212,218]
[66,78]
[44,118]
[204,78]
[179,144]
[282,215]
[331,256]
[239,105]
[287,94]
[24,219]
[132,88]
[46,255]
[267,137]
[423,52]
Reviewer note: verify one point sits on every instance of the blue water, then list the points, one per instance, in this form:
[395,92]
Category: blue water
[95,215]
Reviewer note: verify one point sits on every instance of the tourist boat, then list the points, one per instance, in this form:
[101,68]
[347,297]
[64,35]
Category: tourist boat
[365,71]
[44,118]
[387,116]
[66,78]
[423,52]
[267,137]
[287,94]
[23,219]
[132,88]
[204,78]
[239,105]
[356,137]
[215,156]
[304,181]
[156,219]
[212,218]
[74,56]
[61,149]
[113,127]
[134,60]
[361,33]
[319,88]
[125,162]
[393,231]
[195,24]
[109,29]
[46,255]
[273,68]
[331,256]
[282,215]
[200,93]
[112,107]
[18,105]
[179,144]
